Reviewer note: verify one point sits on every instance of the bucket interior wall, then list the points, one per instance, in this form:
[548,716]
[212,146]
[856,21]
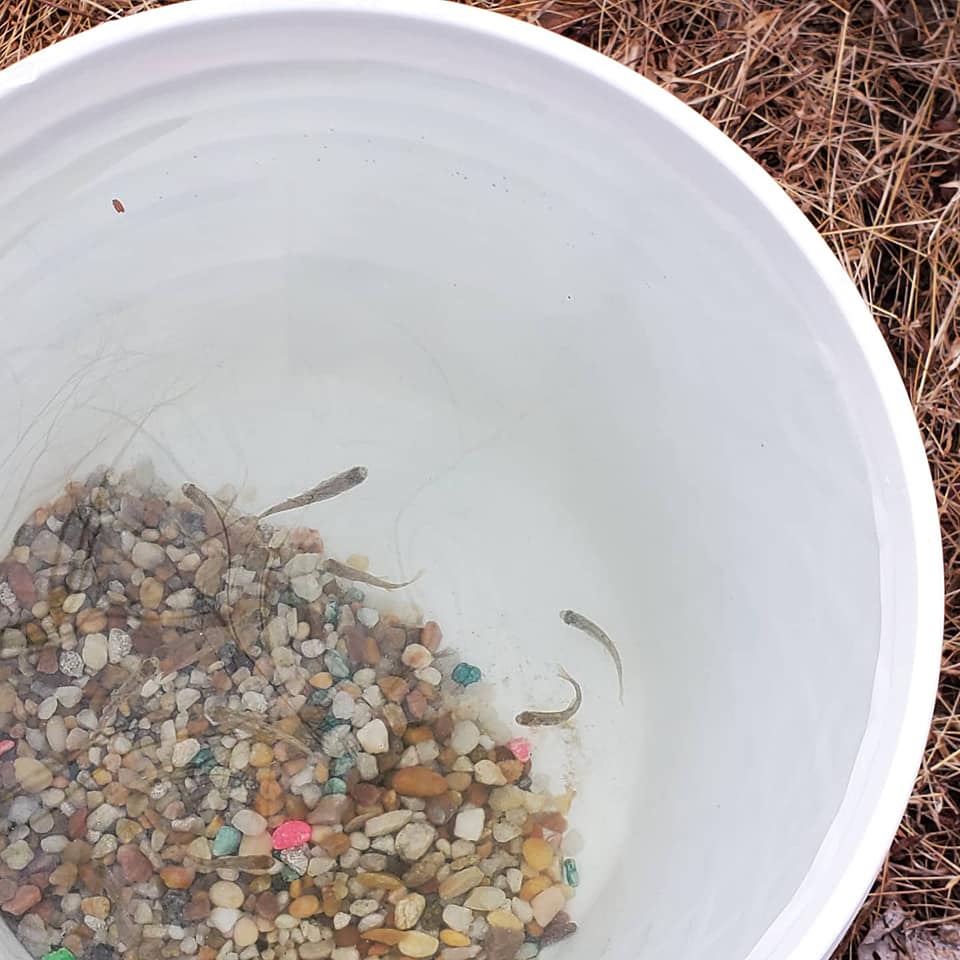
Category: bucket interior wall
[584,365]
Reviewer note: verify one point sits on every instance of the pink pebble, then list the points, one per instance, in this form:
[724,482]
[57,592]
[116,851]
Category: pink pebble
[520,748]
[293,833]
[6,746]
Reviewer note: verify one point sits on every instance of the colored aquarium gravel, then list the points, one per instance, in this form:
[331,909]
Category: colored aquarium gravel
[215,745]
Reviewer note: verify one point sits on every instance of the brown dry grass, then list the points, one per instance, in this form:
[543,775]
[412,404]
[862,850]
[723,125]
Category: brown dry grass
[854,107]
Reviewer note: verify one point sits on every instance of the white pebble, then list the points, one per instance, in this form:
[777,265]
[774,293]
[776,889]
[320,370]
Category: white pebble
[465,737]
[311,649]
[47,708]
[414,840]
[119,644]
[56,732]
[486,899]
[386,823]
[307,586]
[182,599]
[368,616]
[430,675]
[489,774]
[147,556]
[224,919]
[469,824]
[521,910]
[69,697]
[416,656]
[374,737]
[249,823]
[186,698]
[184,751]
[457,918]
[343,705]
[254,700]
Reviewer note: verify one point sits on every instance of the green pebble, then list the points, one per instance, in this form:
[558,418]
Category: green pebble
[337,666]
[202,756]
[62,954]
[342,765]
[330,721]
[571,875]
[227,841]
[288,874]
[334,785]
[330,612]
[465,674]
[354,596]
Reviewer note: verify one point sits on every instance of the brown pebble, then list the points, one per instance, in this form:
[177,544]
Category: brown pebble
[135,866]
[91,620]
[48,661]
[335,845]
[331,810]
[21,583]
[197,908]
[416,704]
[394,688]
[25,898]
[431,635]
[512,770]
[441,809]
[7,889]
[424,871]
[419,782]
[395,718]
[478,794]
[559,928]
[268,906]
[91,879]
[366,794]
[178,878]
[459,781]
[64,876]
[501,943]
[77,851]
[347,937]
[77,824]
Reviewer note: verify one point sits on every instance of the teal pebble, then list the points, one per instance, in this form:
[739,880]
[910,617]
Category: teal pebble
[466,673]
[318,698]
[342,765]
[334,785]
[330,721]
[203,756]
[289,874]
[227,841]
[336,665]
[571,875]
[62,954]
[330,613]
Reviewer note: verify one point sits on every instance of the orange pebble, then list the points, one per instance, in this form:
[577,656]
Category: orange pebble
[453,938]
[384,935]
[538,853]
[534,886]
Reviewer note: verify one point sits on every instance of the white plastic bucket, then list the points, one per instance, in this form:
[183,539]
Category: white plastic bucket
[593,358]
